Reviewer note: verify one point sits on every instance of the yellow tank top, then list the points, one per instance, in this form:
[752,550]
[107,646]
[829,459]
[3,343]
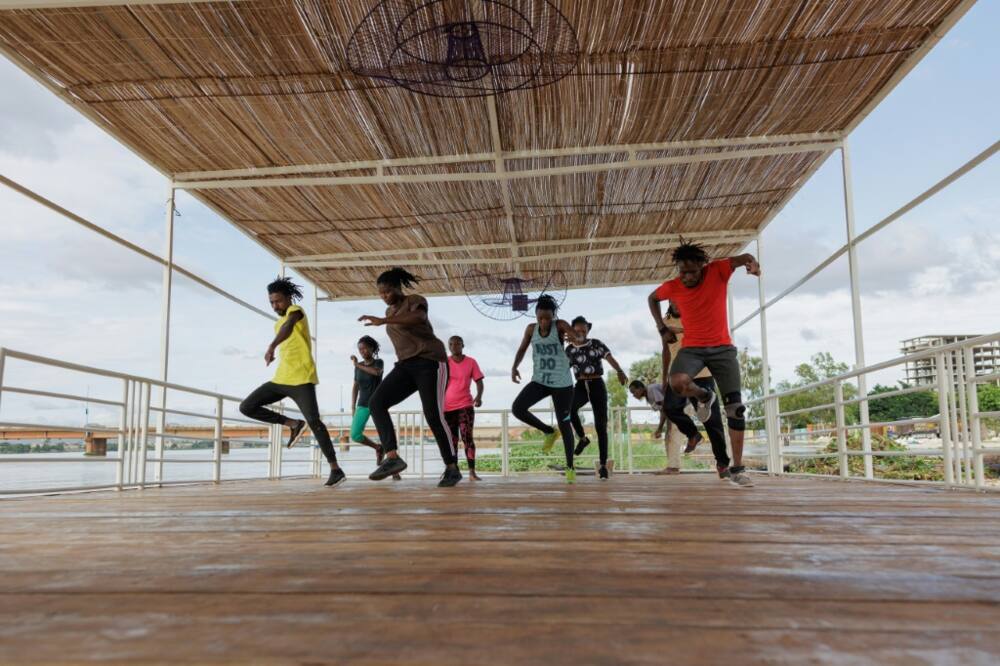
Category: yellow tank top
[295,360]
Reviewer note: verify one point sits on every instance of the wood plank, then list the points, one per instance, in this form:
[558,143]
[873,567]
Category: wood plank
[640,570]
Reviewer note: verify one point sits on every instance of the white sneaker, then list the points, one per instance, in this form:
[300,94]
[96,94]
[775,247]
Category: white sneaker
[741,479]
[704,410]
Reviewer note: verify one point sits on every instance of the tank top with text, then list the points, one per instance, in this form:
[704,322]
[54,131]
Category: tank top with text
[549,356]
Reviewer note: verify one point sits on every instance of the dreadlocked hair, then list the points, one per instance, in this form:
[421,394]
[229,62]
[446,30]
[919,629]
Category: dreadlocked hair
[371,343]
[283,285]
[546,302]
[398,277]
[687,251]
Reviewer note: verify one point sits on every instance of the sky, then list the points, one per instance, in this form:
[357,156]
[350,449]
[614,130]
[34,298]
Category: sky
[69,294]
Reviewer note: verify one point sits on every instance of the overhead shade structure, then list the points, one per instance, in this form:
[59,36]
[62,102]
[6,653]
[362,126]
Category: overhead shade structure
[672,118]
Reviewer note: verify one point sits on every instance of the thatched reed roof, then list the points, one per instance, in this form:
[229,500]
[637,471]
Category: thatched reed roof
[681,117]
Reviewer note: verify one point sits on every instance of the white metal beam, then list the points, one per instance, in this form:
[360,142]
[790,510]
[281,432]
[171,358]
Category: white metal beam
[595,285]
[725,237]
[165,303]
[629,248]
[855,281]
[478,176]
[20,189]
[883,223]
[464,158]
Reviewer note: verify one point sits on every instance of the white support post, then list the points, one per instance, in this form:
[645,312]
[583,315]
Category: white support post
[145,403]
[122,423]
[3,357]
[944,423]
[956,450]
[961,373]
[217,452]
[859,335]
[165,301]
[770,420]
[972,400]
[504,445]
[845,469]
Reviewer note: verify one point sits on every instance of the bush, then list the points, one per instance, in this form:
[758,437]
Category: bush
[910,468]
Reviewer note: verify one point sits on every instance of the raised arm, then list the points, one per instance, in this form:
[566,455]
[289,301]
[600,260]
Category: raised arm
[666,335]
[283,333]
[748,260]
[519,356]
[567,331]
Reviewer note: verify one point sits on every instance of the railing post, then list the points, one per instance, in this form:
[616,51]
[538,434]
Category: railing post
[217,453]
[773,436]
[122,423]
[628,437]
[144,432]
[963,417]
[165,308]
[956,452]
[944,423]
[845,470]
[504,444]
[972,399]
[3,357]
[420,444]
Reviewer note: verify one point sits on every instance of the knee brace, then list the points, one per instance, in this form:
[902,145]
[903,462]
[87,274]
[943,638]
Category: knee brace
[735,411]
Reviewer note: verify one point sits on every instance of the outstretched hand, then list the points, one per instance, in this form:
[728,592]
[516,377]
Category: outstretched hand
[372,320]
[753,267]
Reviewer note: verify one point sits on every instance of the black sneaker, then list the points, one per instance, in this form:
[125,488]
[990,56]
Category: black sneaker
[337,477]
[692,444]
[603,473]
[296,433]
[451,476]
[388,467]
[581,445]
[723,471]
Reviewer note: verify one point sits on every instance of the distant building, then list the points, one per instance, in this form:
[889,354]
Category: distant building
[923,372]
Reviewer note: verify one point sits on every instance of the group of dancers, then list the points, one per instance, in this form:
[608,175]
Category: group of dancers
[698,356]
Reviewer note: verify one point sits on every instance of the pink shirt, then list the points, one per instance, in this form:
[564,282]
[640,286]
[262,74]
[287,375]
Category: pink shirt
[460,378]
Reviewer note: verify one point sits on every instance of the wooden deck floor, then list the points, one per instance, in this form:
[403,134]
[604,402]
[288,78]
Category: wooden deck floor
[651,570]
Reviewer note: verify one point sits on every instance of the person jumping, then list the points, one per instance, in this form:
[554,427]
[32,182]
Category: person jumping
[421,367]
[295,377]
[699,292]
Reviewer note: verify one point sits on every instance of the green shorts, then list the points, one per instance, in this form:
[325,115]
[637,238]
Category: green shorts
[358,424]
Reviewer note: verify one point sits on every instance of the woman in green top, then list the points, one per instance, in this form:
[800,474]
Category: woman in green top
[551,377]
[367,377]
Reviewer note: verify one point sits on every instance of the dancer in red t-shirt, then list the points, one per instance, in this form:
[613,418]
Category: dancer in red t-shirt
[699,292]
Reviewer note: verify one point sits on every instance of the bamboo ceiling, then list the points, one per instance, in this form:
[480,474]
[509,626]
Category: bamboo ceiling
[260,84]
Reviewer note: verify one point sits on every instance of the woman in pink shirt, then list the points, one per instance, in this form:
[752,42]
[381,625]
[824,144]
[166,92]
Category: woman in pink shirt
[459,405]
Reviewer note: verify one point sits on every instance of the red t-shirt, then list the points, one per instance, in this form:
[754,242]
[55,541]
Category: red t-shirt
[460,378]
[703,308]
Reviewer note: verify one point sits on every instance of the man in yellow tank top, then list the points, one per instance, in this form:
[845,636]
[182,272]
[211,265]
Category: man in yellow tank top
[295,377]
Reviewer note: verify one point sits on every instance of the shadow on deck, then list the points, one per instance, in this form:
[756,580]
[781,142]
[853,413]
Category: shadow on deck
[639,570]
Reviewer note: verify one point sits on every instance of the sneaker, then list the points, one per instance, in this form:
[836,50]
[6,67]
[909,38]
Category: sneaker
[337,477]
[451,476]
[704,409]
[389,467]
[581,445]
[296,433]
[723,471]
[739,477]
[603,473]
[570,476]
[692,444]
[549,441]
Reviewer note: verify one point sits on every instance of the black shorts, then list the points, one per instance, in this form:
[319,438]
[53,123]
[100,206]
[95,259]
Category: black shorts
[722,362]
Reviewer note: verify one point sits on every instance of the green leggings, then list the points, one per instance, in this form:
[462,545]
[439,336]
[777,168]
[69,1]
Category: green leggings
[358,424]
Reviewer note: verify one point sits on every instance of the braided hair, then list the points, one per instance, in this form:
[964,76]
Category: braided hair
[546,302]
[285,286]
[398,277]
[687,251]
[371,343]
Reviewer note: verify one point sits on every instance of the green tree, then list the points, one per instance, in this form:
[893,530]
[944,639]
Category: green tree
[617,396]
[821,366]
[752,375]
[647,370]
[899,407]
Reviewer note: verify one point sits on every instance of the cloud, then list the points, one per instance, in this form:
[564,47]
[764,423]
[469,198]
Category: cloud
[32,118]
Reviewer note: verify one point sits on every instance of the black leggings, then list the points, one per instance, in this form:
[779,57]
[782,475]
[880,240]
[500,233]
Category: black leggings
[562,400]
[304,396]
[427,377]
[674,404]
[596,393]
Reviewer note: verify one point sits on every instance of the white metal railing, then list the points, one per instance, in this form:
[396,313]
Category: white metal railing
[959,420]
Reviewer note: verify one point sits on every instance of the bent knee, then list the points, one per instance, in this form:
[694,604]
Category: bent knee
[246,409]
[679,383]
